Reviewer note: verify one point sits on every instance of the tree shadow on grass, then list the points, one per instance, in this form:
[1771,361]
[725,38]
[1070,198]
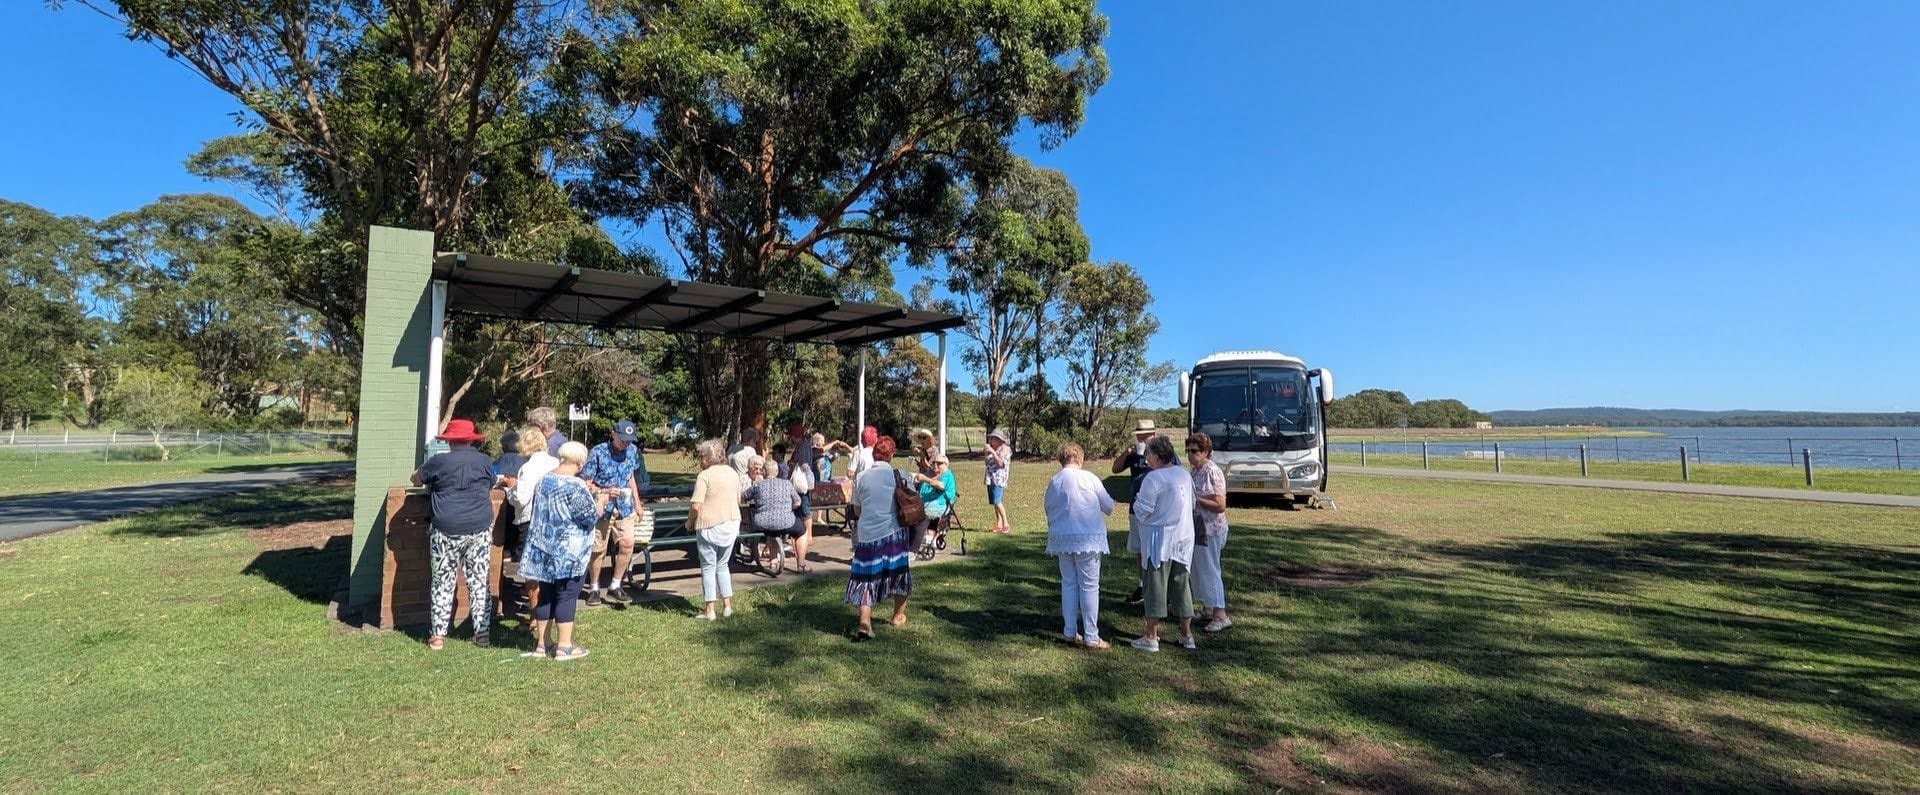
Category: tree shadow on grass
[251,510]
[1513,665]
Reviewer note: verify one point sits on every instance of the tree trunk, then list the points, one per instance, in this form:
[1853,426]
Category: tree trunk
[165,455]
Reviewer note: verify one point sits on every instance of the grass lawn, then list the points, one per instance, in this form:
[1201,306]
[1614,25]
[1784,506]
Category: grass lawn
[48,473]
[1429,636]
[1870,481]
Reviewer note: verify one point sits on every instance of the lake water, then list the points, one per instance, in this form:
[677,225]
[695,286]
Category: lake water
[1850,448]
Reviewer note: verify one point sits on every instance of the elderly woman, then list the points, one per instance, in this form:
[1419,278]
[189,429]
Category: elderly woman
[1163,537]
[1077,508]
[999,460]
[924,446]
[1210,531]
[801,473]
[774,504]
[937,490]
[714,516]
[559,540]
[880,560]
[520,491]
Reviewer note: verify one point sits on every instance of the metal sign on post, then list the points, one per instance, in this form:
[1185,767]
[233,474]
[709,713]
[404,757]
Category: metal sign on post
[579,412]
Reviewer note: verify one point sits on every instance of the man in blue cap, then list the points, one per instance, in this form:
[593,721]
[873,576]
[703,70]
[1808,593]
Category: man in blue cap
[618,467]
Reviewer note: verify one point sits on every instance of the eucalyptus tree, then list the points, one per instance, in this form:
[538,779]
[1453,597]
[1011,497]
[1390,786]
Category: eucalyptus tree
[797,142]
[1107,306]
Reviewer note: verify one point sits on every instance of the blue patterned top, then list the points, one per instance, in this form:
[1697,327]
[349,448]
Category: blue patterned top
[610,470]
[560,537]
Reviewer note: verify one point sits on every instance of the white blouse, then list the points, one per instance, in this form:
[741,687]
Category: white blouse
[1077,507]
[521,497]
[1164,508]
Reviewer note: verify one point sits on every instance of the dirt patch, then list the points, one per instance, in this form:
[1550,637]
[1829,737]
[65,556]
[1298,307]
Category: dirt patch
[1315,576]
[1354,765]
[312,535]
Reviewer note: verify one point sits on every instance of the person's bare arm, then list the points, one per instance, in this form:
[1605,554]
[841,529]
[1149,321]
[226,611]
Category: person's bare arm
[1123,461]
[1211,503]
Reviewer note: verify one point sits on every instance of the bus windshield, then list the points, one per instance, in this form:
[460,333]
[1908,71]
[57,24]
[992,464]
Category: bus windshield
[1254,409]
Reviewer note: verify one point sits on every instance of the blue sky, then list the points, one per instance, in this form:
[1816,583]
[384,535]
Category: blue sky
[1702,205]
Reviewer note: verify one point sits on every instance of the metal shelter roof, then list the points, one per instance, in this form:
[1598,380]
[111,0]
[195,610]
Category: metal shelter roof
[519,290]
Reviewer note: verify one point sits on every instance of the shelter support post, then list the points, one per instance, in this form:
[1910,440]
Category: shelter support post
[436,355]
[943,391]
[390,426]
[860,402]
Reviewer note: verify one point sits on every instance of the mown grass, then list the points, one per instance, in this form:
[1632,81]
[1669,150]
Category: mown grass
[23,474]
[1485,637]
[1868,481]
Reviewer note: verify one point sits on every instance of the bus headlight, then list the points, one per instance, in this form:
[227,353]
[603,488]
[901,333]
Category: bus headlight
[1303,471]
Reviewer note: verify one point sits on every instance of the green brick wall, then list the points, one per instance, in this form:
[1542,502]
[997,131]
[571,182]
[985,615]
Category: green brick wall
[393,384]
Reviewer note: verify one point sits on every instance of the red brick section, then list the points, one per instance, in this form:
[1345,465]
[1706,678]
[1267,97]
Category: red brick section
[407,570]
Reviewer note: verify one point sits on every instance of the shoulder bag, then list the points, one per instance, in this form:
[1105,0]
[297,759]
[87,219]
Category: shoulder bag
[906,504]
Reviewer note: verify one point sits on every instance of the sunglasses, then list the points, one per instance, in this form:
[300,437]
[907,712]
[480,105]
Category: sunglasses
[1192,450]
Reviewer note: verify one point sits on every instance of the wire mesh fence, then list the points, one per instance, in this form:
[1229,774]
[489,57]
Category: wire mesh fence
[130,445]
[1681,452]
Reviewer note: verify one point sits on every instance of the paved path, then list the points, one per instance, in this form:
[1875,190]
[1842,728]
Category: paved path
[24,517]
[1806,495]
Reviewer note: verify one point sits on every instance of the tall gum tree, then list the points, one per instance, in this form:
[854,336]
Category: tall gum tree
[801,139]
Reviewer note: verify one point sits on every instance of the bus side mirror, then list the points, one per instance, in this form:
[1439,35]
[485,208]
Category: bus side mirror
[1186,389]
[1326,385]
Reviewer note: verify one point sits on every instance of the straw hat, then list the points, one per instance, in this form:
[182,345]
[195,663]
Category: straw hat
[997,433]
[1145,428]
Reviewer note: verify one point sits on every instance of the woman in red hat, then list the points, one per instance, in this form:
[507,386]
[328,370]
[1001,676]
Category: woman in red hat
[459,484]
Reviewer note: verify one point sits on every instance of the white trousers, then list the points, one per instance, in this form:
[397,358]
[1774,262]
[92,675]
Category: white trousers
[1209,586]
[1080,595]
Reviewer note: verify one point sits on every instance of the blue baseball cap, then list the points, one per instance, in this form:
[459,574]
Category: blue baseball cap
[625,430]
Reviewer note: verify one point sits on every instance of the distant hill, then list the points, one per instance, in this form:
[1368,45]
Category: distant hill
[1620,417]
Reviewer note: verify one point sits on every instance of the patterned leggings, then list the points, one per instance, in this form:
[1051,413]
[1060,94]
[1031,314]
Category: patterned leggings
[452,554]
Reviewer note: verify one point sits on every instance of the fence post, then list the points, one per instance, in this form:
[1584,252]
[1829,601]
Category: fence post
[1697,449]
[1789,451]
[1423,455]
[1806,462]
[1583,460]
[1496,457]
[1685,472]
[1363,452]
[1896,454]
[1616,449]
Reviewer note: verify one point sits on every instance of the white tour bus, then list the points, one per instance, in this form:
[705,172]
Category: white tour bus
[1265,413]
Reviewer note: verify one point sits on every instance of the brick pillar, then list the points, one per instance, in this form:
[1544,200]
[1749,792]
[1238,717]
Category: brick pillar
[393,383]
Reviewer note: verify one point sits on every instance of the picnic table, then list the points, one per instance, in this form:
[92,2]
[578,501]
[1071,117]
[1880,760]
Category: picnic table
[670,506]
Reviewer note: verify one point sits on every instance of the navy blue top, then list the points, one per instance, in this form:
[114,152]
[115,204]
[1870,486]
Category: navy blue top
[509,464]
[458,484]
[554,442]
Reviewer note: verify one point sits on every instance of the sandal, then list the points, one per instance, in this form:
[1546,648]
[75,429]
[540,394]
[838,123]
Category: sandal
[436,642]
[1098,645]
[538,651]
[569,653]
[483,641]
[862,635]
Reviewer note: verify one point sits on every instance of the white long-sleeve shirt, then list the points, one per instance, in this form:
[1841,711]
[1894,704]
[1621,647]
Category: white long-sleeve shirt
[1077,507]
[1164,510]
[521,497]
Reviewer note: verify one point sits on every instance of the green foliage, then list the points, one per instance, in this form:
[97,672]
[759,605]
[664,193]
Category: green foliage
[48,268]
[158,400]
[1106,309]
[1026,235]
[825,140]
[1381,408]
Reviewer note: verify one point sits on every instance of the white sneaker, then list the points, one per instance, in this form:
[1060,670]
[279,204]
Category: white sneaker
[727,613]
[1146,644]
[1187,643]
[1218,624]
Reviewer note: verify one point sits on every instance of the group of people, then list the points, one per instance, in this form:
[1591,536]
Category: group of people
[1176,528]
[573,505]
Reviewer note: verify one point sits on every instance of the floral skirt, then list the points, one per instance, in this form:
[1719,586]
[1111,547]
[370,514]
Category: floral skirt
[880,571]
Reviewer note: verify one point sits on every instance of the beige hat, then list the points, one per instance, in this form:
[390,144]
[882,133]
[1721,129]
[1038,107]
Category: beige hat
[936,457]
[1144,427]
